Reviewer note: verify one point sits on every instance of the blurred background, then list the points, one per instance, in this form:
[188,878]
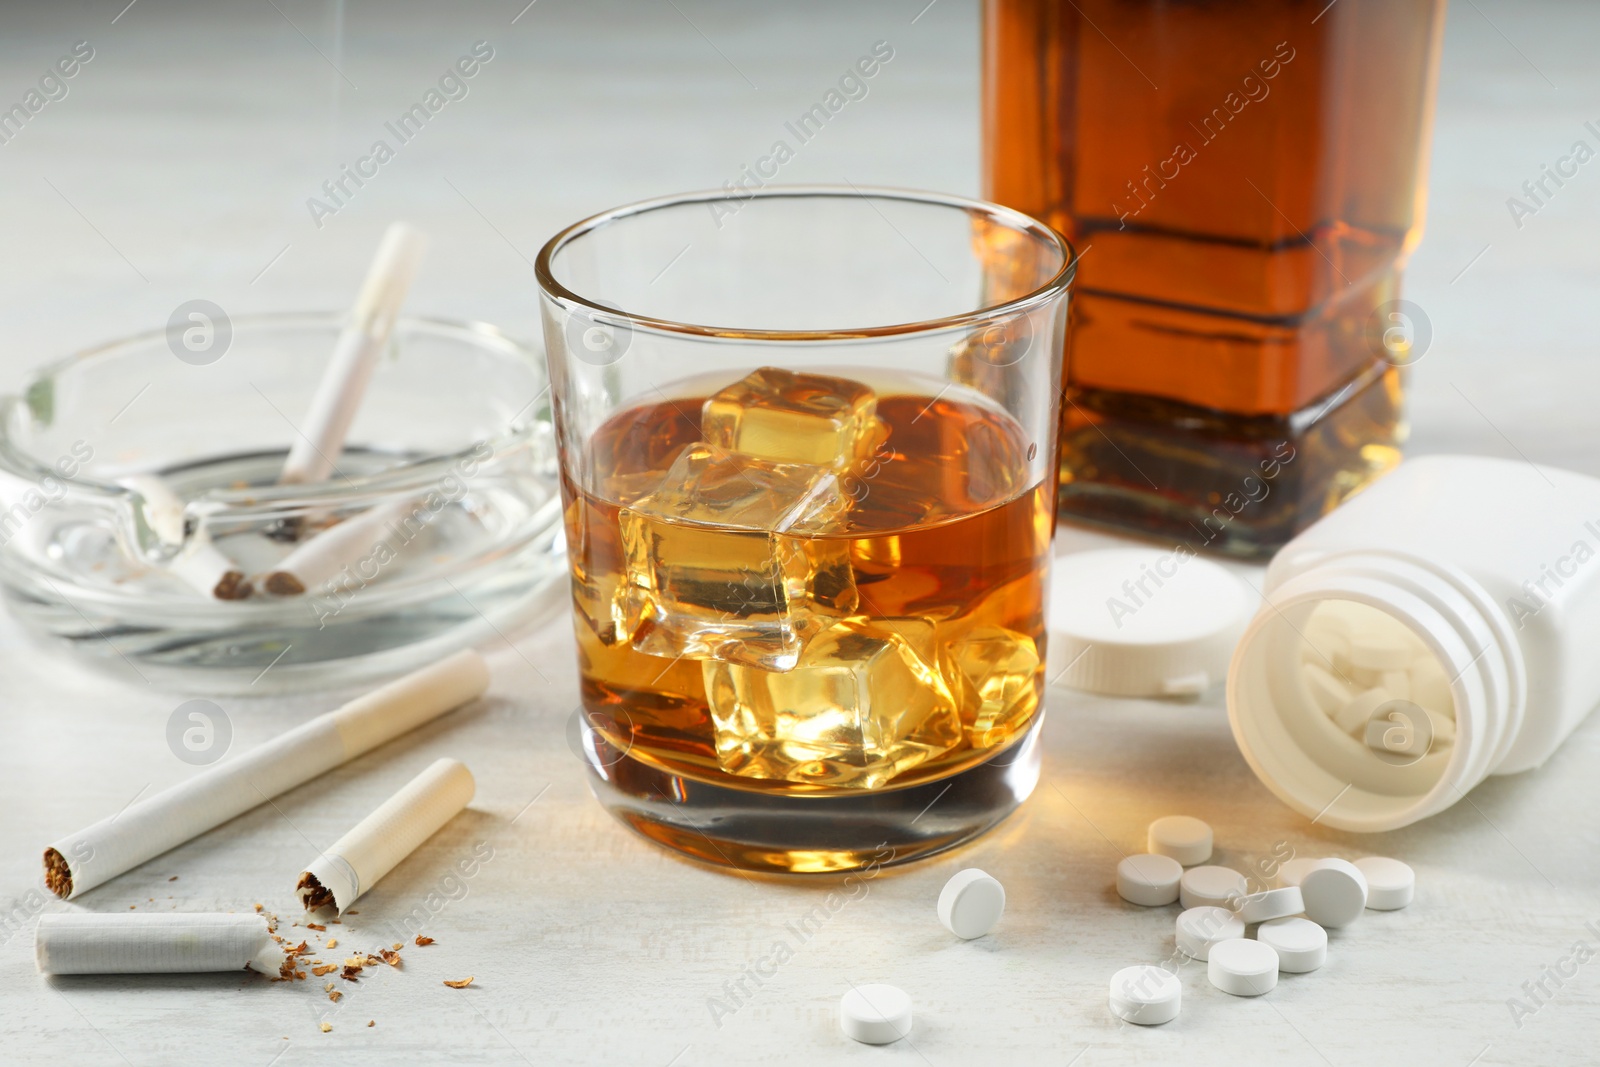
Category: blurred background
[180,160]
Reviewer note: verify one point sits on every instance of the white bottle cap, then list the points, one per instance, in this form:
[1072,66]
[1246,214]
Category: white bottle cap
[1144,622]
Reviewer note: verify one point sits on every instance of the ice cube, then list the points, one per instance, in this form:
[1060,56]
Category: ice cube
[788,417]
[721,561]
[864,704]
[995,674]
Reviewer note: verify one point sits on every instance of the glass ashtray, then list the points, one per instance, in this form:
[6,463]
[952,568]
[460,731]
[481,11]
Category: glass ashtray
[451,445]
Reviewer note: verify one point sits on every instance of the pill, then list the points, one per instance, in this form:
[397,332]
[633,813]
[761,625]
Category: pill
[1145,995]
[875,1014]
[1295,869]
[1217,887]
[1301,944]
[1148,880]
[1397,682]
[1327,636]
[1444,729]
[1243,967]
[1380,650]
[1327,691]
[1335,892]
[1271,904]
[1185,839]
[971,903]
[1406,731]
[1199,928]
[1390,883]
[1352,719]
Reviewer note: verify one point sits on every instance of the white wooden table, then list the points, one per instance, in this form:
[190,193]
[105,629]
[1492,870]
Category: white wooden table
[178,166]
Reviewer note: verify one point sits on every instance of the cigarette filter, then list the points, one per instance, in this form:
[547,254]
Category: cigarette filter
[87,943]
[380,841]
[142,831]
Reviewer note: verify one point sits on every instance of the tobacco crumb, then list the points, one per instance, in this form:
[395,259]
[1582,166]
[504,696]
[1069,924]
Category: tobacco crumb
[333,942]
[326,1027]
[390,957]
[395,946]
[313,894]
[351,974]
[258,907]
[325,968]
[460,983]
[372,1022]
[424,940]
[174,878]
[334,995]
[315,926]
[57,875]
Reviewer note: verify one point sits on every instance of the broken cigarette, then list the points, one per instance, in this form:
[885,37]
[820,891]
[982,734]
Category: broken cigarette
[199,564]
[321,557]
[87,943]
[357,860]
[76,864]
[338,396]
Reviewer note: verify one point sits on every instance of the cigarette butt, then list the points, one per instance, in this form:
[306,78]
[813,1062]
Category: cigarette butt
[77,863]
[199,563]
[380,841]
[321,557]
[89,943]
[338,397]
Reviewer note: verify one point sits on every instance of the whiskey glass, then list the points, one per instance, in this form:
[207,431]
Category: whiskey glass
[807,445]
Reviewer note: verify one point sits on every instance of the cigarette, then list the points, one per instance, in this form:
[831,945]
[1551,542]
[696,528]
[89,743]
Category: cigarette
[87,943]
[199,563]
[76,864]
[371,850]
[321,557]
[338,396]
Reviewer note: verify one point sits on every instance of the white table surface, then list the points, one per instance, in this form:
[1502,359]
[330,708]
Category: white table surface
[178,166]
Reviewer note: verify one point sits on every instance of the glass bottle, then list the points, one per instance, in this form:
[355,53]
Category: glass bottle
[1244,180]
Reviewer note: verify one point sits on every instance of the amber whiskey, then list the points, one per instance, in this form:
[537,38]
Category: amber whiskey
[821,582]
[1243,180]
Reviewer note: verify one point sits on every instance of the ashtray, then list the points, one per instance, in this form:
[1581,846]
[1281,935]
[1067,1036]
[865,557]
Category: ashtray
[450,461]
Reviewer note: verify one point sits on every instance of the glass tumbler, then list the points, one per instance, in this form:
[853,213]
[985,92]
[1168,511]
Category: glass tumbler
[807,440]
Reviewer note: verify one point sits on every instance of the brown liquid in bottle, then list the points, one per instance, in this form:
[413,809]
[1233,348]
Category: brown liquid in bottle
[1243,180]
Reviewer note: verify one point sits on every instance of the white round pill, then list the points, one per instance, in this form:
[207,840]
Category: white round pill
[1335,892]
[1271,904]
[1217,887]
[1146,995]
[1147,880]
[1185,839]
[971,903]
[1200,928]
[1295,869]
[875,1014]
[1301,944]
[1242,967]
[1390,883]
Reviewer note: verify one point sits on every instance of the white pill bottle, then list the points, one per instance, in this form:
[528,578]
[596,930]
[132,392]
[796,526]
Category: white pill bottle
[1469,585]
